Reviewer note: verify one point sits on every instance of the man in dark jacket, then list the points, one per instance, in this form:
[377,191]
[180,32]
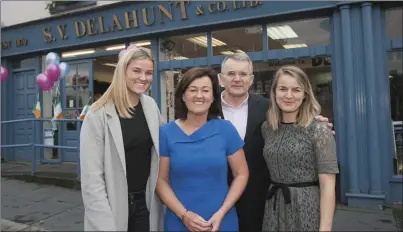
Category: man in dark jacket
[247,112]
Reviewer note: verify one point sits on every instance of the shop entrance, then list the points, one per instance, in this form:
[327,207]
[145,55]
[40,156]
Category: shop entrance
[78,89]
[24,91]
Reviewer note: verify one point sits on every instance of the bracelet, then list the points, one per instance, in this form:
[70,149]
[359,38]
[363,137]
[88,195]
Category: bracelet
[184,214]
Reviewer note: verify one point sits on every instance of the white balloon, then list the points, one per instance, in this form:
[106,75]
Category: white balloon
[52,58]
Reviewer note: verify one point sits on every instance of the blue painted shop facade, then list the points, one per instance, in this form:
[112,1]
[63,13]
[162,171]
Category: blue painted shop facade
[355,48]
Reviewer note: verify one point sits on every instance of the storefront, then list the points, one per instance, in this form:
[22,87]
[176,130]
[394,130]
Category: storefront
[351,52]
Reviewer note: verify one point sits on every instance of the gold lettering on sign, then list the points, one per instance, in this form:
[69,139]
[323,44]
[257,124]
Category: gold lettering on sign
[244,4]
[90,26]
[116,23]
[80,32]
[21,42]
[166,13]
[235,5]
[199,10]
[62,31]
[254,3]
[222,6]
[6,45]
[182,5]
[145,18]
[49,38]
[210,7]
[164,10]
[101,25]
[134,19]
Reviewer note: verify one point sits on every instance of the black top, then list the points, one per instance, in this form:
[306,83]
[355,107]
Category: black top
[137,142]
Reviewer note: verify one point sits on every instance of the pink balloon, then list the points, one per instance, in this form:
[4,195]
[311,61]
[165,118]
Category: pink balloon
[4,73]
[43,82]
[52,72]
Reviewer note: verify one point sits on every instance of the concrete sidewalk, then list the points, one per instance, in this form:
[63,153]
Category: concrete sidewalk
[35,207]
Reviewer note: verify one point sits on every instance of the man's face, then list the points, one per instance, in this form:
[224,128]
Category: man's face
[236,77]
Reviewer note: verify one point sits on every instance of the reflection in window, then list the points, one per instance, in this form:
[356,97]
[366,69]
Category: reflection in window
[30,62]
[394,23]
[77,91]
[396,104]
[170,82]
[318,70]
[299,34]
[233,40]
[185,47]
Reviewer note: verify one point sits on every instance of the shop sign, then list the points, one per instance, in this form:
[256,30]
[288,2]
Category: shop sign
[148,16]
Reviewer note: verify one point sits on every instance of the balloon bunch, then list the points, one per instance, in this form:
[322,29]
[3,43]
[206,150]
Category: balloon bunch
[55,70]
[4,73]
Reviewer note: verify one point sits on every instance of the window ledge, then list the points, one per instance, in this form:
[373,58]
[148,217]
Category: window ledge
[397,179]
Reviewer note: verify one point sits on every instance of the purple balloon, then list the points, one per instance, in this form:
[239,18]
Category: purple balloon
[52,72]
[43,82]
[4,73]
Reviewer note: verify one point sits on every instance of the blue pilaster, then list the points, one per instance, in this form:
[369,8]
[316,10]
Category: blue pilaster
[363,106]
[360,100]
[372,103]
[382,81]
[339,108]
[156,84]
[349,102]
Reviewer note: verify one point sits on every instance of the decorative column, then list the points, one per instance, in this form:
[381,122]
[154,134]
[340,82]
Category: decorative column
[371,100]
[363,142]
[349,100]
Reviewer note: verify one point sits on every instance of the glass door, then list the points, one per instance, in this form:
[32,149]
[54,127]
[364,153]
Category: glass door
[77,91]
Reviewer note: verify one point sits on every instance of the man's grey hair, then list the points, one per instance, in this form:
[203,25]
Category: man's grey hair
[239,56]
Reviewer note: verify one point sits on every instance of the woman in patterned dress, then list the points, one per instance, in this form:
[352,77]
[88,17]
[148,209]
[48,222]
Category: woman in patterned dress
[300,153]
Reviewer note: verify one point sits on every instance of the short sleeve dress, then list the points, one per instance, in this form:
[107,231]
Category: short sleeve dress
[199,169]
[297,155]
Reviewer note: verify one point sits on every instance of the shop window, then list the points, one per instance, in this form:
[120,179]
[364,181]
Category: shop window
[184,47]
[299,34]
[318,70]
[170,81]
[25,63]
[396,102]
[233,40]
[394,23]
[77,92]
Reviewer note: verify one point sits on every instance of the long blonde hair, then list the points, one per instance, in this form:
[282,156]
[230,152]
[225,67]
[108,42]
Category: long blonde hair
[309,107]
[117,91]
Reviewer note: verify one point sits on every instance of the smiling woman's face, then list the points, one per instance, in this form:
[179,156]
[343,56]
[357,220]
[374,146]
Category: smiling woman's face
[139,75]
[199,96]
[289,94]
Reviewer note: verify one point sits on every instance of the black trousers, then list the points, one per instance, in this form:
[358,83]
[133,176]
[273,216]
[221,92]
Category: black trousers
[139,216]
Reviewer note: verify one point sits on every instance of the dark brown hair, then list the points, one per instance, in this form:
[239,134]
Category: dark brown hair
[191,75]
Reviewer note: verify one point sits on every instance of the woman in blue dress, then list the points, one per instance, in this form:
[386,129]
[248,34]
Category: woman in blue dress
[195,151]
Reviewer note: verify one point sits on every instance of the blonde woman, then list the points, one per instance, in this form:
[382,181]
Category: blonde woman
[300,153]
[119,151]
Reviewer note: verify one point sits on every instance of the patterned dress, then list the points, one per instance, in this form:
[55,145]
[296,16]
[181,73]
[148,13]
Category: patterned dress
[296,155]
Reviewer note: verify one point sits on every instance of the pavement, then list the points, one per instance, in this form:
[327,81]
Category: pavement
[28,206]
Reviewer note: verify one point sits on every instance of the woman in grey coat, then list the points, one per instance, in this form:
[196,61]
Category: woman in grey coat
[119,151]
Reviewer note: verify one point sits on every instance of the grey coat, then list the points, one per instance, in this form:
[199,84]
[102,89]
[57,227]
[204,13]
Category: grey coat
[103,169]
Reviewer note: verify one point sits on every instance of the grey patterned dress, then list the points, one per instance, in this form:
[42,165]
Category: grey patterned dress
[295,155]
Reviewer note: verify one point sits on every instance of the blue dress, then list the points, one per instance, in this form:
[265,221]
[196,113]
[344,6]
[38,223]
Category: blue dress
[199,169]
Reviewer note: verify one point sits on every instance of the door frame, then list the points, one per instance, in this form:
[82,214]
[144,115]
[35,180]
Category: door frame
[63,133]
